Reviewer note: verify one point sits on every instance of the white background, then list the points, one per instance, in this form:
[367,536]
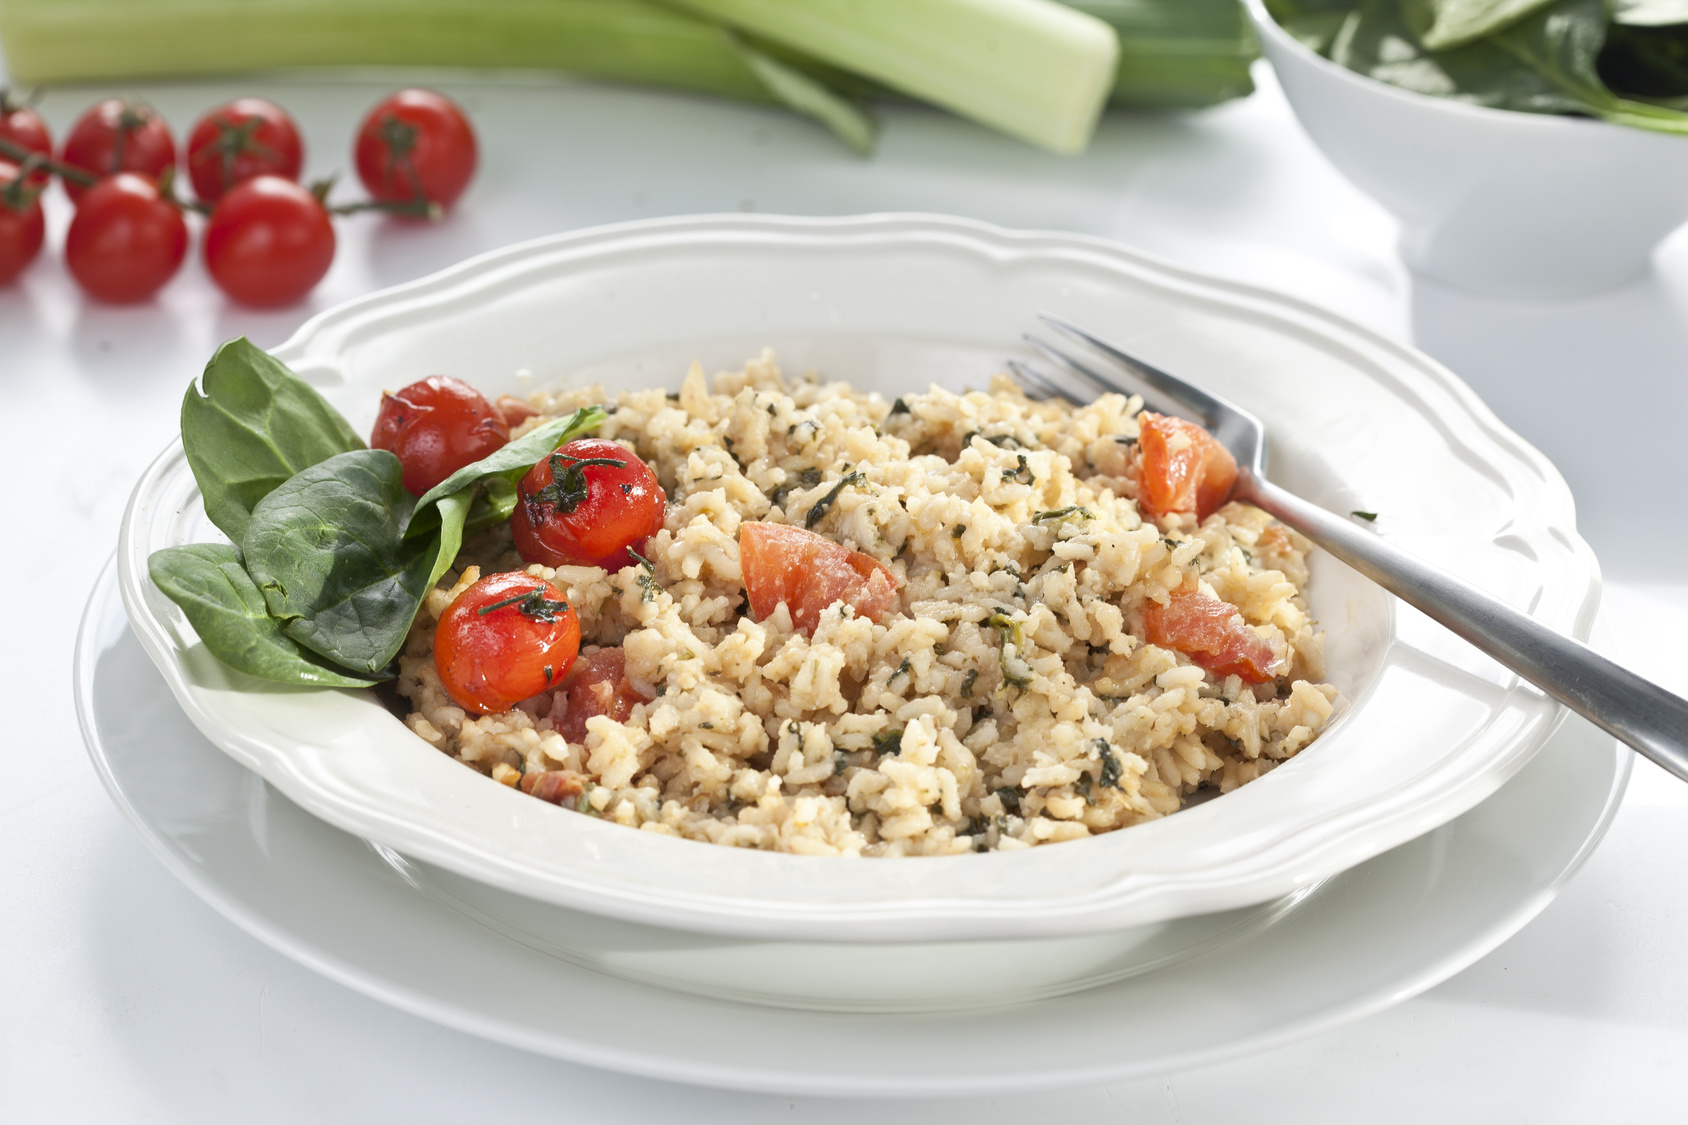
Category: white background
[123,998]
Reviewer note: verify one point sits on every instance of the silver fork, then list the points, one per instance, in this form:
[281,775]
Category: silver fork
[1641,714]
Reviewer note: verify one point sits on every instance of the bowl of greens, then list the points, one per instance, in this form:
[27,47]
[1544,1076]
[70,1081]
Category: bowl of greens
[1529,148]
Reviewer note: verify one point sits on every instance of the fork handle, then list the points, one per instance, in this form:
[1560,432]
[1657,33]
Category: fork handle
[1641,714]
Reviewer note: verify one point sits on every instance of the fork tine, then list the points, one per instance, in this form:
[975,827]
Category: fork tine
[1191,399]
[1030,376]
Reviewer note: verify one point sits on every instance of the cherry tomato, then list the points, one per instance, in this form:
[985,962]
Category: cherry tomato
[585,505]
[505,639]
[1183,469]
[435,427]
[1211,633]
[126,240]
[117,136]
[809,572]
[21,224]
[598,686]
[248,137]
[268,242]
[26,132]
[416,145]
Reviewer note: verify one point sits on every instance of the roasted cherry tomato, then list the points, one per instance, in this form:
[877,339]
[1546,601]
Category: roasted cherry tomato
[416,145]
[809,572]
[435,427]
[505,639]
[126,240]
[1183,469]
[1211,633]
[21,225]
[25,132]
[598,686]
[268,242]
[585,505]
[239,141]
[117,136]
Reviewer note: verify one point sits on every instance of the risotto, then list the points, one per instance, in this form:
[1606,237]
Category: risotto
[1027,677]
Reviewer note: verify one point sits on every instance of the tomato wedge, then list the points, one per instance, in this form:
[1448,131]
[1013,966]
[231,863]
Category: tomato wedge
[1183,468]
[597,685]
[809,572]
[1207,631]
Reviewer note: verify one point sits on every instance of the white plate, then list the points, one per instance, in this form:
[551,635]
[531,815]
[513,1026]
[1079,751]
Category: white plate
[1366,939]
[1356,421]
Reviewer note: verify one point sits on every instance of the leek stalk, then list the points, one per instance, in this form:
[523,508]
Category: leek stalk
[1034,69]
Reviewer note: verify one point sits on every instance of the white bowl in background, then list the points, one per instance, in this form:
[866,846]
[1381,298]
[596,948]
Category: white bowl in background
[1495,201]
[1429,727]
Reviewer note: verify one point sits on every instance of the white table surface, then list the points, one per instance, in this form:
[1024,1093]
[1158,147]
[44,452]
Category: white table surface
[124,998]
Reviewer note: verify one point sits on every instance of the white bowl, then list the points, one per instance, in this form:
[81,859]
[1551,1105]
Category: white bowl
[891,302]
[1495,201]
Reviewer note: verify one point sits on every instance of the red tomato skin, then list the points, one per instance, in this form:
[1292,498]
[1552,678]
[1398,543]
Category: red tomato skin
[442,156]
[436,426]
[623,508]
[126,239]
[21,232]
[809,572]
[489,662]
[1204,629]
[91,144]
[1183,469]
[26,129]
[268,242]
[272,147]
[598,686]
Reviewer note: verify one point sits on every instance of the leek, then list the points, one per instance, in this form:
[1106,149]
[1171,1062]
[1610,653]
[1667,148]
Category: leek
[1178,52]
[1034,69]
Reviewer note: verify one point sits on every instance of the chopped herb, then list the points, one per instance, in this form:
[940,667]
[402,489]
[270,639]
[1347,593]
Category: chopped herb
[967,682]
[1024,469]
[583,803]
[707,725]
[643,561]
[649,587]
[818,512]
[900,407]
[771,410]
[1015,670]
[1081,512]
[1112,768]
[902,670]
[808,478]
[1125,439]
[1171,544]
[939,649]
[532,604]
[889,741]
[840,762]
[958,531]
[550,673]
[1369,517]
[568,482]
[1084,786]
[1011,796]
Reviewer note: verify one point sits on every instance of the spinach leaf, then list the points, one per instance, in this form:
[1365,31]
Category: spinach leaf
[456,507]
[1455,23]
[1649,13]
[252,426]
[1648,63]
[325,548]
[1313,22]
[228,612]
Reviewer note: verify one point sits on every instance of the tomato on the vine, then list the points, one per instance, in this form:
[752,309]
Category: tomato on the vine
[268,242]
[505,639]
[586,505]
[21,225]
[435,427]
[416,145]
[25,132]
[239,141]
[117,136]
[126,240]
